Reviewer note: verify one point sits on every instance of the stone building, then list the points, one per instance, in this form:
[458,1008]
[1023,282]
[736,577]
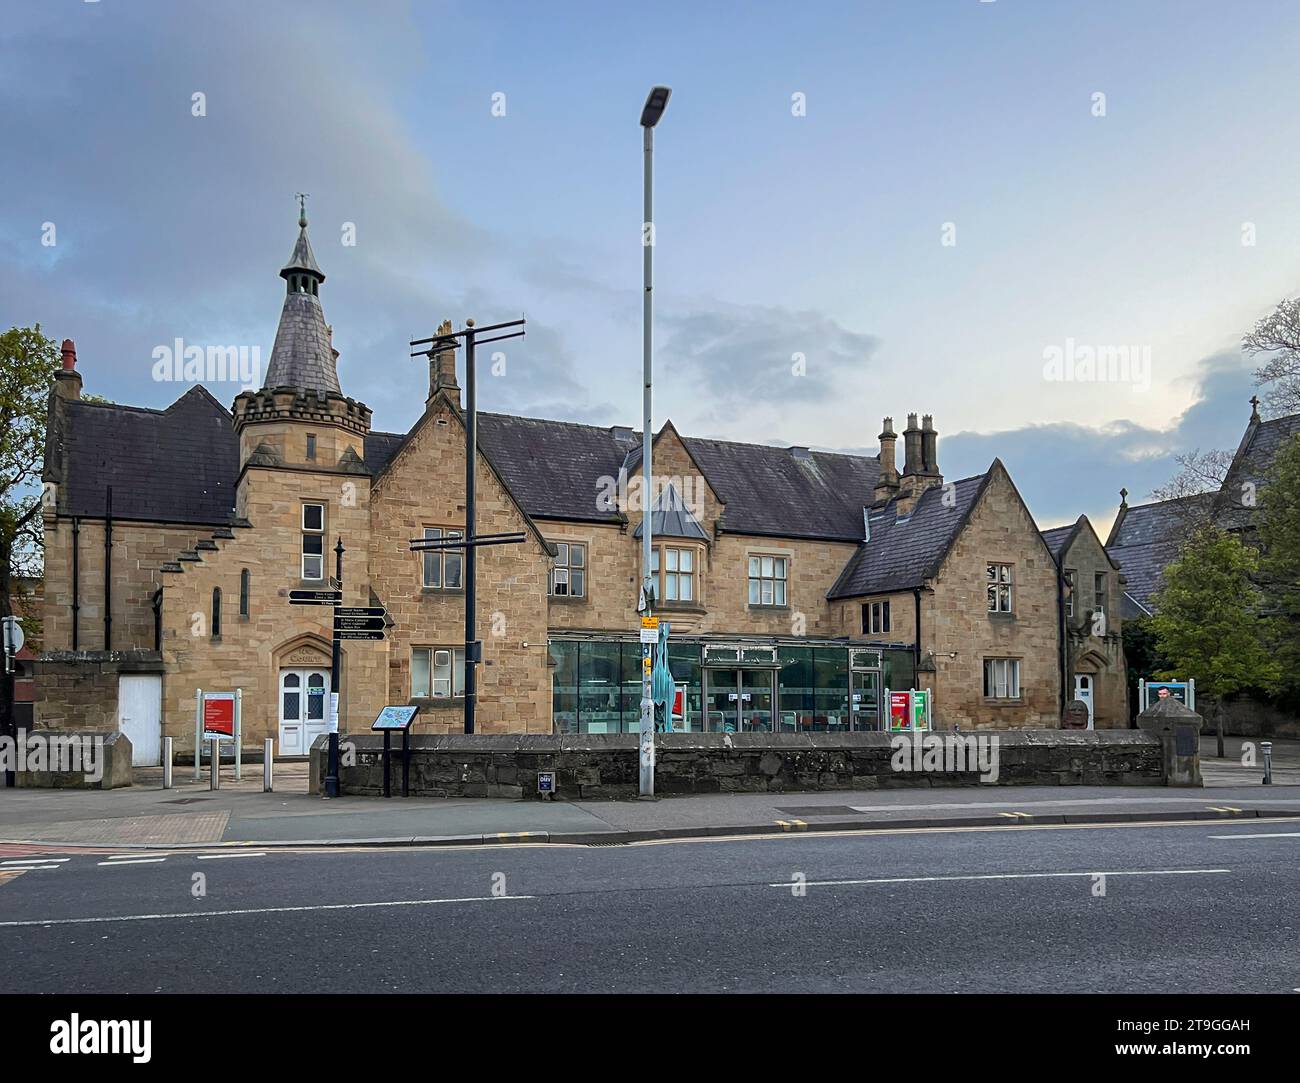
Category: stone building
[798,584]
[1091,615]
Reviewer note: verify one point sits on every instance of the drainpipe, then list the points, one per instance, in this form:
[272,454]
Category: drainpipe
[1061,637]
[108,570]
[76,574]
[916,647]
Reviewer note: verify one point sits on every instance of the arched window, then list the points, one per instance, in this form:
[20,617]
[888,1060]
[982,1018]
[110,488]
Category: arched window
[243,593]
[216,612]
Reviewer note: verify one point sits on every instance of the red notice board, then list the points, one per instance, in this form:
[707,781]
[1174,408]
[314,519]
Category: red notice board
[218,715]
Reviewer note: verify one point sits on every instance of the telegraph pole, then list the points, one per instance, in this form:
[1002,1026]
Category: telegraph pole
[431,347]
[336,667]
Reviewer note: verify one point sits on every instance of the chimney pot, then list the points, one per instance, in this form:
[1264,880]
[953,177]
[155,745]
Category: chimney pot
[69,351]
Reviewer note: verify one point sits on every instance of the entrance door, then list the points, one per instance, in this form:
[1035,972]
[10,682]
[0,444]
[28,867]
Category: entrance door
[757,696]
[303,717]
[1083,691]
[722,700]
[864,700]
[139,716]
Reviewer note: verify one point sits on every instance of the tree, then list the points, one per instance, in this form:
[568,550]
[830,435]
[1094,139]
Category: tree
[1208,622]
[28,362]
[1279,534]
[1276,337]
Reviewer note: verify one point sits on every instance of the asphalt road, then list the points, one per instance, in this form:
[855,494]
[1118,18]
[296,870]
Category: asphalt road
[1183,910]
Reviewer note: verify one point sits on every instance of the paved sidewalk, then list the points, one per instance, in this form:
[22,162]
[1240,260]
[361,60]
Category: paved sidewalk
[191,815]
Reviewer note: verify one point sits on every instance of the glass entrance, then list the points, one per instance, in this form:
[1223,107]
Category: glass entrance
[757,693]
[722,697]
[740,700]
[864,700]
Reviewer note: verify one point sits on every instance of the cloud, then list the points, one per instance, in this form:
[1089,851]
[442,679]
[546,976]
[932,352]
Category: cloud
[1065,469]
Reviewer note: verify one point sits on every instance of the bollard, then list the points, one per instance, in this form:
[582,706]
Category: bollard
[1267,748]
[268,758]
[214,780]
[167,763]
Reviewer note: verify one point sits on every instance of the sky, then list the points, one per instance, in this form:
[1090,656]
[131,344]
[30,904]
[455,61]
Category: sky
[861,209]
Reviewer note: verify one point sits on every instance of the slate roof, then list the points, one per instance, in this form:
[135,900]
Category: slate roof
[670,518]
[303,355]
[788,492]
[1145,539]
[1058,539]
[903,553]
[176,465]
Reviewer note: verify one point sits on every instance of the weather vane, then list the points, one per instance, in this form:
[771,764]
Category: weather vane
[302,204]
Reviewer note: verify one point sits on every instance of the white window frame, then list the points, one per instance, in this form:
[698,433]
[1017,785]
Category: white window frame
[319,535]
[1070,577]
[437,558]
[447,661]
[668,573]
[1001,678]
[1100,586]
[769,579]
[567,573]
[1000,580]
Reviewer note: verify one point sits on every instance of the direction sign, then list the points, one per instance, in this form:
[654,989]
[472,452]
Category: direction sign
[358,624]
[358,635]
[360,611]
[315,597]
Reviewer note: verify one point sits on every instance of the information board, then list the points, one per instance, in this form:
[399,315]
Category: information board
[219,716]
[398,717]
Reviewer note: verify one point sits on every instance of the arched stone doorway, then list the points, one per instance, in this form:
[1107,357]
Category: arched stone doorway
[302,682]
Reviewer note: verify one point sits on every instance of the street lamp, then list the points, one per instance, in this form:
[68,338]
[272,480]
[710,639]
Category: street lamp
[654,107]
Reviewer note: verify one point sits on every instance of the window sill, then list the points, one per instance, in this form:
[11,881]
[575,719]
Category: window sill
[762,608]
[426,704]
[441,591]
[991,701]
[1001,616]
[680,607]
[568,599]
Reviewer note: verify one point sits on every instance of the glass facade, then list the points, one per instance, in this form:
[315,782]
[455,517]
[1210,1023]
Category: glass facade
[789,688]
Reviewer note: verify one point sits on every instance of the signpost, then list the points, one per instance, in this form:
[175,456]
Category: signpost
[315,597]
[399,718]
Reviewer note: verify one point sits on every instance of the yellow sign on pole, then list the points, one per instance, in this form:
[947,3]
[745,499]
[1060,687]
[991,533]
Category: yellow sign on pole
[649,622]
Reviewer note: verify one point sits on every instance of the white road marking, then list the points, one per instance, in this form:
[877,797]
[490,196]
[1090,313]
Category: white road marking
[1004,876]
[133,861]
[260,910]
[1274,835]
[28,862]
[215,857]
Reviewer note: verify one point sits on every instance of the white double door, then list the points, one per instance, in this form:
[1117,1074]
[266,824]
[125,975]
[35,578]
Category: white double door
[304,711]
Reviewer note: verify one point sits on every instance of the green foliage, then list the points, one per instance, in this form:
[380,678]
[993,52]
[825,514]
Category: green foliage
[1279,535]
[1142,657]
[1208,623]
[28,362]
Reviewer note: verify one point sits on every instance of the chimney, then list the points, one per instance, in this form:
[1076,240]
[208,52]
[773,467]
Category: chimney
[67,381]
[921,471]
[929,447]
[442,367]
[911,447]
[887,483]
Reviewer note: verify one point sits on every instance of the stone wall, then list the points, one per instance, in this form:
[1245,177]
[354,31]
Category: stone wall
[77,690]
[605,766]
[960,631]
[423,487]
[1095,646]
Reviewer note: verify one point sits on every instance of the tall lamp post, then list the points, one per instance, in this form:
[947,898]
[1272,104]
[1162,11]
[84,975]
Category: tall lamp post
[654,107]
